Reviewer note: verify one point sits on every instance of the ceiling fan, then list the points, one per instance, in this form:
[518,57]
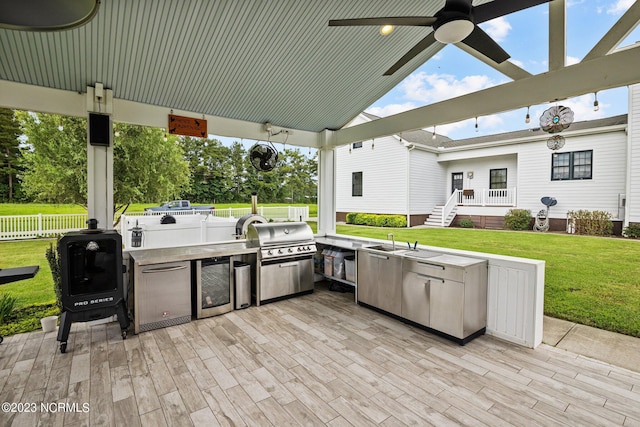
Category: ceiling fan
[455,22]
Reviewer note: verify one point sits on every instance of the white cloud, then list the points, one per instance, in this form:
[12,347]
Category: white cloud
[571,60]
[429,88]
[497,28]
[620,6]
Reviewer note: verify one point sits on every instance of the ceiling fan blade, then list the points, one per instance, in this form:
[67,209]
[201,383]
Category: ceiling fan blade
[422,45]
[496,8]
[480,41]
[420,21]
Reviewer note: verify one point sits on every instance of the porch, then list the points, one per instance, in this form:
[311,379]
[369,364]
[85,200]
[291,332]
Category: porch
[485,197]
[315,360]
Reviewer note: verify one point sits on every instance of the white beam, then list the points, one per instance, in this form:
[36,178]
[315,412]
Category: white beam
[20,96]
[557,34]
[617,33]
[614,70]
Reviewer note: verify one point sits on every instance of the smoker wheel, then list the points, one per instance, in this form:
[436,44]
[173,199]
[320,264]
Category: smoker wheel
[63,347]
[1,339]
[124,335]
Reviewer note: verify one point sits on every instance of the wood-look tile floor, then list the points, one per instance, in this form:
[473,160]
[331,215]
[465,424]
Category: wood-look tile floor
[319,359]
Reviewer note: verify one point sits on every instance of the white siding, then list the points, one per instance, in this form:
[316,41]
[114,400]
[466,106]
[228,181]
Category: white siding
[384,177]
[599,193]
[426,177]
[481,168]
[533,177]
[633,192]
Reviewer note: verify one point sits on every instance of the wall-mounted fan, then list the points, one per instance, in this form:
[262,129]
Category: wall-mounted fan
[556,142]
[455,22]
[556,119]
[263,157]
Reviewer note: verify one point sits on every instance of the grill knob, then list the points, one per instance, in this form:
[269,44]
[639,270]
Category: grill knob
[279,251]
[299,249]
[290,250]
[269,252]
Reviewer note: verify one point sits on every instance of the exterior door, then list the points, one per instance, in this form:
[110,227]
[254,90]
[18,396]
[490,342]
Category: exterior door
[456,181]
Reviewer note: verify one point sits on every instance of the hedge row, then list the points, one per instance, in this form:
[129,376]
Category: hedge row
[376,220]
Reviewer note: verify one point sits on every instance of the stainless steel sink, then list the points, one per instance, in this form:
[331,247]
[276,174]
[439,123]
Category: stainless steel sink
[384,248]
[420,253]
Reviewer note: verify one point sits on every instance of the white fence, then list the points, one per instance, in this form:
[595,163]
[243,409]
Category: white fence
[15,227]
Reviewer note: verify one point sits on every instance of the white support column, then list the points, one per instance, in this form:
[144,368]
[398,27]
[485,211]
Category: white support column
[326,185]
[100,162]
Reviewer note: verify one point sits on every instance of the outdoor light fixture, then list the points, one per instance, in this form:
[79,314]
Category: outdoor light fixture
[596,104]
[527,118]
[385,30]
[453,31]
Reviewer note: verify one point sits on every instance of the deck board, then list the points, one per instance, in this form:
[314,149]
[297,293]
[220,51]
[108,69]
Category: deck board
[316,359]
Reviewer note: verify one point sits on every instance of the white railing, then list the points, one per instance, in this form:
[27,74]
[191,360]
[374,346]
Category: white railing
[14,227]
[449,207]
[487,197]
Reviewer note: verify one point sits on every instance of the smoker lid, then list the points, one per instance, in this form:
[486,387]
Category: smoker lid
[279,233]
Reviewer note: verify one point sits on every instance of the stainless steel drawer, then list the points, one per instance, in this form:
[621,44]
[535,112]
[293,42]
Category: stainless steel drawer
[433,269]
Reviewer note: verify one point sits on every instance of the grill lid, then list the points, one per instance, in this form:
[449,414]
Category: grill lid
[278,234]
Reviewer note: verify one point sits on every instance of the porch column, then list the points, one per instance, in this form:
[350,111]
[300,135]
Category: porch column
[326,185]
[100,161]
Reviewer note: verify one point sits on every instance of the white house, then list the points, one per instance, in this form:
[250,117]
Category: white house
[440,181]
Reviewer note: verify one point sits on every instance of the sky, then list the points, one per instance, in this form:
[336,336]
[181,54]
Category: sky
[453,72]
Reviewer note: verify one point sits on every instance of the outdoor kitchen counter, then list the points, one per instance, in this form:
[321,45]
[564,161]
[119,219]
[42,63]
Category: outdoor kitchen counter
[186,253]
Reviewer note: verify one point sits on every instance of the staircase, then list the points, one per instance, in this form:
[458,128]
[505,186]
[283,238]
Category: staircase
[435,219]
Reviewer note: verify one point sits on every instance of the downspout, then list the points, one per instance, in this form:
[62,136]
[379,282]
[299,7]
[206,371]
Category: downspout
[410,147]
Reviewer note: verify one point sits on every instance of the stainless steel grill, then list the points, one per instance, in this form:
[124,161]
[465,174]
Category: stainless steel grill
[285,259]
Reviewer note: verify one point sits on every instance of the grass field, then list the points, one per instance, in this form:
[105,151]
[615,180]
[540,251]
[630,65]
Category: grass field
[590,280]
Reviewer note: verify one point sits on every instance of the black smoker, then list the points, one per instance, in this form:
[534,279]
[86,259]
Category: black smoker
[91,276]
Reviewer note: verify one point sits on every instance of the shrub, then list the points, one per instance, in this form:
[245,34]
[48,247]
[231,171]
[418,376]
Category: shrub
[632,231]
[518,219]
[591,223]
[7,304]
[466,223]
[54,263]
[376,220]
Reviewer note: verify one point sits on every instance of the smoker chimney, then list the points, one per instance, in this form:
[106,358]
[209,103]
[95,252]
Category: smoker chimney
[254,203]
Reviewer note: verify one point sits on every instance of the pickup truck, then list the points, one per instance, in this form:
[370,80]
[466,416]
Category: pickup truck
[178,205]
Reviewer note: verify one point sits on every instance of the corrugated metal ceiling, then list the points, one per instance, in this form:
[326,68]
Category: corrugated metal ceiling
[269,60]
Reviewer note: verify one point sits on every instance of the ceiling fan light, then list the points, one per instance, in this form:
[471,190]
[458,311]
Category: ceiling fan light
[454,31]
[385,30]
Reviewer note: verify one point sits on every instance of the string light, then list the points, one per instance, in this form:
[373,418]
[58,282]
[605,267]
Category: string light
[373,143]
[433,136]
[476,124]
[596,104]
[527,118]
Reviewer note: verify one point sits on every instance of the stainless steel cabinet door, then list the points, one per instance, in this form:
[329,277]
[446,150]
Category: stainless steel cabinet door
[278,280]
[416,288]
[163,295]
[305,271]
[367,280]
[389,280]
[447,307]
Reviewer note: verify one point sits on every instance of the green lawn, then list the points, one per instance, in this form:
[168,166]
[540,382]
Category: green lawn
[590,280]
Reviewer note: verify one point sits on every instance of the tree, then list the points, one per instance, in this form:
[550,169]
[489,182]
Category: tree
[145,166]
[10,156]
[209,164]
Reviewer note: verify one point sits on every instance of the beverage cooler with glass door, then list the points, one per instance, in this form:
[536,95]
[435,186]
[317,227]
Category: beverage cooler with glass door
[212,286]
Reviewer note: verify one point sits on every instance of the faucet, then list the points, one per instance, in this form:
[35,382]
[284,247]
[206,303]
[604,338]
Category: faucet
[393,240]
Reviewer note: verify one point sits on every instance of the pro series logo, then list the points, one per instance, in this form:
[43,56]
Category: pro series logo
[92,301]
